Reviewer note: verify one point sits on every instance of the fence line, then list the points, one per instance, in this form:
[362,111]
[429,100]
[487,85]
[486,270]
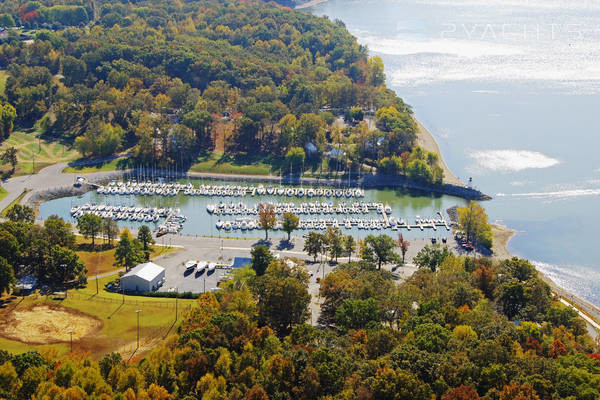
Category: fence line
[128,300]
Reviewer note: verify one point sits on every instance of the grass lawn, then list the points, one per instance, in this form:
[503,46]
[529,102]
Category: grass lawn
[119,163]
[15,201]
[3,193]
[102,260]
[36,151]
[118,331]
[225,164]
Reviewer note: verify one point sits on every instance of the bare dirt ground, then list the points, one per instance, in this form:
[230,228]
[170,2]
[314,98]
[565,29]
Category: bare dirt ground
[44,324]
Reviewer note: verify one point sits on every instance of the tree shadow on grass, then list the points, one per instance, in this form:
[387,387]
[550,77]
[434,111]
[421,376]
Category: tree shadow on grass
[121,164]
[98,247]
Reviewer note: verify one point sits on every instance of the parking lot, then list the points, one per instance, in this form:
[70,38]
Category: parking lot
[223,253]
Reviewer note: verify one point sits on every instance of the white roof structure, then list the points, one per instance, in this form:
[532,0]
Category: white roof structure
[147,271]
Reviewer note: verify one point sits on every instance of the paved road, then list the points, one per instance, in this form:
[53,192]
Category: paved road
[49,178]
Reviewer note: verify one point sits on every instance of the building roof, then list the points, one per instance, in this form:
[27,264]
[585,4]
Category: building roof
[147,271]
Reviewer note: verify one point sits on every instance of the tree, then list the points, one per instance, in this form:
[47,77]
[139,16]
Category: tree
[59,232]
[431,257]
[261,258]
[390,384]
[283,297]
[110,229]
[89,225]
[294,158]
[74,70]
[7,276]
[379,250]
[289,223]
[145,237]
[462,392]
[8,114]
[128,252]
[403,244]
[357,313]
[20,213]
[512,298]
[473,220]
[313,244]
[10,156]
[65,266]
[333,240]
[349,246]
[266,217]
[517,391]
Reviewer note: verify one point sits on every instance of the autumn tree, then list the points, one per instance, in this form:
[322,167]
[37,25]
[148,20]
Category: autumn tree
[473,220]
[463,392]
[266,217]
[283,296]
[403,244]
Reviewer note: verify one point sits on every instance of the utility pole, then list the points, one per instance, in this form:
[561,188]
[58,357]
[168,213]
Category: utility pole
[71,333]
[138,327]
[176,297]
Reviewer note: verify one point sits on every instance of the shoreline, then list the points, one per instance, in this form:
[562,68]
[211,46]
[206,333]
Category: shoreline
[427,141]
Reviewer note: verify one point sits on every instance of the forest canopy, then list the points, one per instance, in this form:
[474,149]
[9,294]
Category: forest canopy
[171,79]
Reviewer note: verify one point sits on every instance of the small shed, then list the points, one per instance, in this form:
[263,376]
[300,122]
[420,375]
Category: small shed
[145,277]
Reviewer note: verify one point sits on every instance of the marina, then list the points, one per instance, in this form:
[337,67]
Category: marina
[232,209]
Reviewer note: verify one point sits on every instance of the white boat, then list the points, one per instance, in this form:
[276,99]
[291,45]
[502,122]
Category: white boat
[191,264]
[211,267]
[201,266]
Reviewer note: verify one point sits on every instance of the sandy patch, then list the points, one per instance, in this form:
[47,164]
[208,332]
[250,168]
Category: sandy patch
[501,235]
[43,324]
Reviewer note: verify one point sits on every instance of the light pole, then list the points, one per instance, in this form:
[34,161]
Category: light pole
[71,333]
[138,327]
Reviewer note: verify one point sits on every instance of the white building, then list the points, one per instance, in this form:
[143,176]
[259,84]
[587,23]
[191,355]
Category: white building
[143,278]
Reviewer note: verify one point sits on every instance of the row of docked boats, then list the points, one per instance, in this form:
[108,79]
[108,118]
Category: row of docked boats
[393,223]
[308,223]
[310,208]
[173,223]
[149,188]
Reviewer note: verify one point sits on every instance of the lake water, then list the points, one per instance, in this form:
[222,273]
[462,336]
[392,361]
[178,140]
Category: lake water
[200,222]
[510,89]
